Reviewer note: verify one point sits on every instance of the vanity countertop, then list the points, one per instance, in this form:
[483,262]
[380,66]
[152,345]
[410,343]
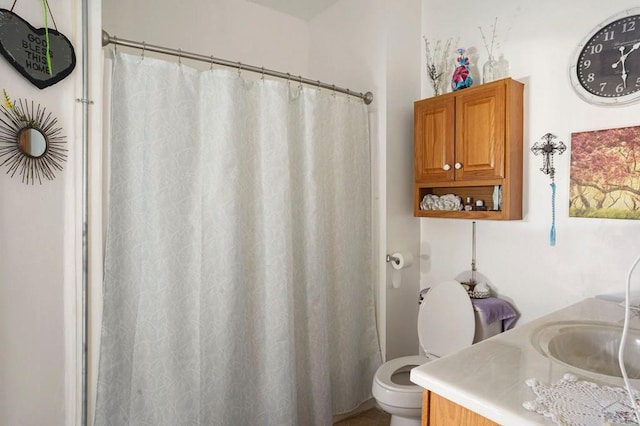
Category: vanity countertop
[489,376]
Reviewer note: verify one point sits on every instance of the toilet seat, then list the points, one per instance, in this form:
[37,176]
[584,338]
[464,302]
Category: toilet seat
[388,369]
[446,321]
[392,394]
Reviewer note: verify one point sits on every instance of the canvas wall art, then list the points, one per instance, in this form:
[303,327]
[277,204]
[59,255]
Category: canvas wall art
[605,174]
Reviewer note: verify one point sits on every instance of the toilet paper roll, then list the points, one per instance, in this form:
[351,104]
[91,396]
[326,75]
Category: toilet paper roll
[404,260]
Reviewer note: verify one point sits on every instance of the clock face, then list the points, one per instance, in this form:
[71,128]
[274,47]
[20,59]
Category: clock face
[606,66]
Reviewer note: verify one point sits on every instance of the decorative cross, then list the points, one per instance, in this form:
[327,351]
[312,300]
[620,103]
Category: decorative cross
[547,148]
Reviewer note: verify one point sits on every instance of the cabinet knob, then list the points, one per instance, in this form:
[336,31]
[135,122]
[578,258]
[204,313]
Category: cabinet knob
[446,167]
[458,166]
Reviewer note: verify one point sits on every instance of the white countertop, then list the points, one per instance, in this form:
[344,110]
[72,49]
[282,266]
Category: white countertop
[489,376]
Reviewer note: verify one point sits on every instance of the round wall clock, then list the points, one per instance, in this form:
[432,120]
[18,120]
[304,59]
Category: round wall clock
[605,69]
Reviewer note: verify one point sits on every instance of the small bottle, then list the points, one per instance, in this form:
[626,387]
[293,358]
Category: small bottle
[468,205]
[480,206]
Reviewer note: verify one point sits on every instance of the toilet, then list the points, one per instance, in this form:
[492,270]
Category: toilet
[447,323]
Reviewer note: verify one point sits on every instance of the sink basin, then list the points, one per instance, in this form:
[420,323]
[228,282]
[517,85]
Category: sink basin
[589,346]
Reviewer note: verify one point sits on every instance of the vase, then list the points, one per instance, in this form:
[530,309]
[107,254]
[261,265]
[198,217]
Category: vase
[489,70]
[461,77]
[502,68]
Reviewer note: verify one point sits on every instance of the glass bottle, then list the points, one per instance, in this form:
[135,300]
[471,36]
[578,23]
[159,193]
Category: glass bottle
[502,68]
[468,205]
[489,70]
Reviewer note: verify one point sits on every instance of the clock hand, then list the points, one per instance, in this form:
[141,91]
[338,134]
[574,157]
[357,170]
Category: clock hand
[622,60]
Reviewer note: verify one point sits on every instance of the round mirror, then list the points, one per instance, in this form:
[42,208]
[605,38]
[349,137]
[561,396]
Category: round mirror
[32,142]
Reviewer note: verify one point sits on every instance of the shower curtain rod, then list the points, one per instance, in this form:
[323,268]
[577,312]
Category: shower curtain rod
[107,39]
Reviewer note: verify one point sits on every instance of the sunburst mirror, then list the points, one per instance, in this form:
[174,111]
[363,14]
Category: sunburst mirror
[31,142]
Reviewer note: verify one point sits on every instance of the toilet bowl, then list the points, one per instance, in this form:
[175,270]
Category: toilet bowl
[395,394]
[446,323]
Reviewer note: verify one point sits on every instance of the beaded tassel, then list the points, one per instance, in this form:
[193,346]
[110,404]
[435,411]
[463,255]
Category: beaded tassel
[552,233]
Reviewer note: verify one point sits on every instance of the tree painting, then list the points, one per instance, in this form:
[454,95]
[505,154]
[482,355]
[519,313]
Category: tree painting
[605,174]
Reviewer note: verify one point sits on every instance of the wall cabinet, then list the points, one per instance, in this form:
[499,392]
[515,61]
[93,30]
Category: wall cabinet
[438,411]
[469,143]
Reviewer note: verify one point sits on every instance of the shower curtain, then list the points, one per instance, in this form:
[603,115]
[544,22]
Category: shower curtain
[238,283]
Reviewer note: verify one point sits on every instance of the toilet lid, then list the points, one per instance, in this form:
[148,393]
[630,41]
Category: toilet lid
[446,322]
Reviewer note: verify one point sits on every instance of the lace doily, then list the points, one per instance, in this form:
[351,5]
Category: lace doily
[573,402]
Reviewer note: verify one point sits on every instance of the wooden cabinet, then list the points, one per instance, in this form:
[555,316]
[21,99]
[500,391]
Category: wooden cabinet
[469,143]
[438,411]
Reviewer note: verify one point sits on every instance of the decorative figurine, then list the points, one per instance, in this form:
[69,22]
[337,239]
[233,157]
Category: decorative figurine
[461,75]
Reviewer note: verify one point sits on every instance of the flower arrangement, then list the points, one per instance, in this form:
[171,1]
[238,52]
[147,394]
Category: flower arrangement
[7,100]
[437,59]
[15,112]
[489,46]
[493,68]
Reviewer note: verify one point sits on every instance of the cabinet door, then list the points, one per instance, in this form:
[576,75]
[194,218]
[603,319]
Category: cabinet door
[480,133]
[443,412]
[433,138]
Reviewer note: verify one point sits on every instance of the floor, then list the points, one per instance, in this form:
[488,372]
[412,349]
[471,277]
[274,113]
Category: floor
[371,417]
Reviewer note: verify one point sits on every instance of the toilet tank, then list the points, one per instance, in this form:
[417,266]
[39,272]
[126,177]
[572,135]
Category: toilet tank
[484,330]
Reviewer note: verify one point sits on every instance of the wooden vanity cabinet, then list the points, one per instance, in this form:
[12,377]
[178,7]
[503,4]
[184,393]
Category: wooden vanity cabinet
[468,142]
[438,411]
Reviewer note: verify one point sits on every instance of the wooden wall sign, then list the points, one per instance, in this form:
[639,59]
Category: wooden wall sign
[25,47]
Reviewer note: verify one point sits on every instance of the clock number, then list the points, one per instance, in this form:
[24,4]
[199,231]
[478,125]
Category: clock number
[596,48]
[638,82]
[620,88]
[586,64]
[602,86]
[590,77]
[629,26]
[608,35]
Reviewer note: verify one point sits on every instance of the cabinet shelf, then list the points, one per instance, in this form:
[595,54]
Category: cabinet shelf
[468,142]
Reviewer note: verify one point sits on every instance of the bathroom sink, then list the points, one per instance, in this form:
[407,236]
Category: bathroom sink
[589,346]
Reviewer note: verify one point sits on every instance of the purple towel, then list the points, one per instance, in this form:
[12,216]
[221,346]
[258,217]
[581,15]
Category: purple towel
[495,309]
[492,308]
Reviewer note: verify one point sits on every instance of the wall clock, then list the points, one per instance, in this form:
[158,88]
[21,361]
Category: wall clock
[605,68]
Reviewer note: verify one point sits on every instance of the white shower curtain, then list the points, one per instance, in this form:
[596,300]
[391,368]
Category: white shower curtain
[238,271]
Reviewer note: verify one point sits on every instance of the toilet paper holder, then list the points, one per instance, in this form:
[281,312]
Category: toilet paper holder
[393,259]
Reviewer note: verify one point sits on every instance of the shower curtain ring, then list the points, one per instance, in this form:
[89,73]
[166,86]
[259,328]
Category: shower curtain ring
[115,44]
[144,47]
[318,84]
[300,79]
[211,69]
[262,75]
[180,56]
[239,69]
[348,95]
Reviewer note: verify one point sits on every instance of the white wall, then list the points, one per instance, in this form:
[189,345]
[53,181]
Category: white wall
[402,85]
[38,238]
[227,29]
[592,256]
